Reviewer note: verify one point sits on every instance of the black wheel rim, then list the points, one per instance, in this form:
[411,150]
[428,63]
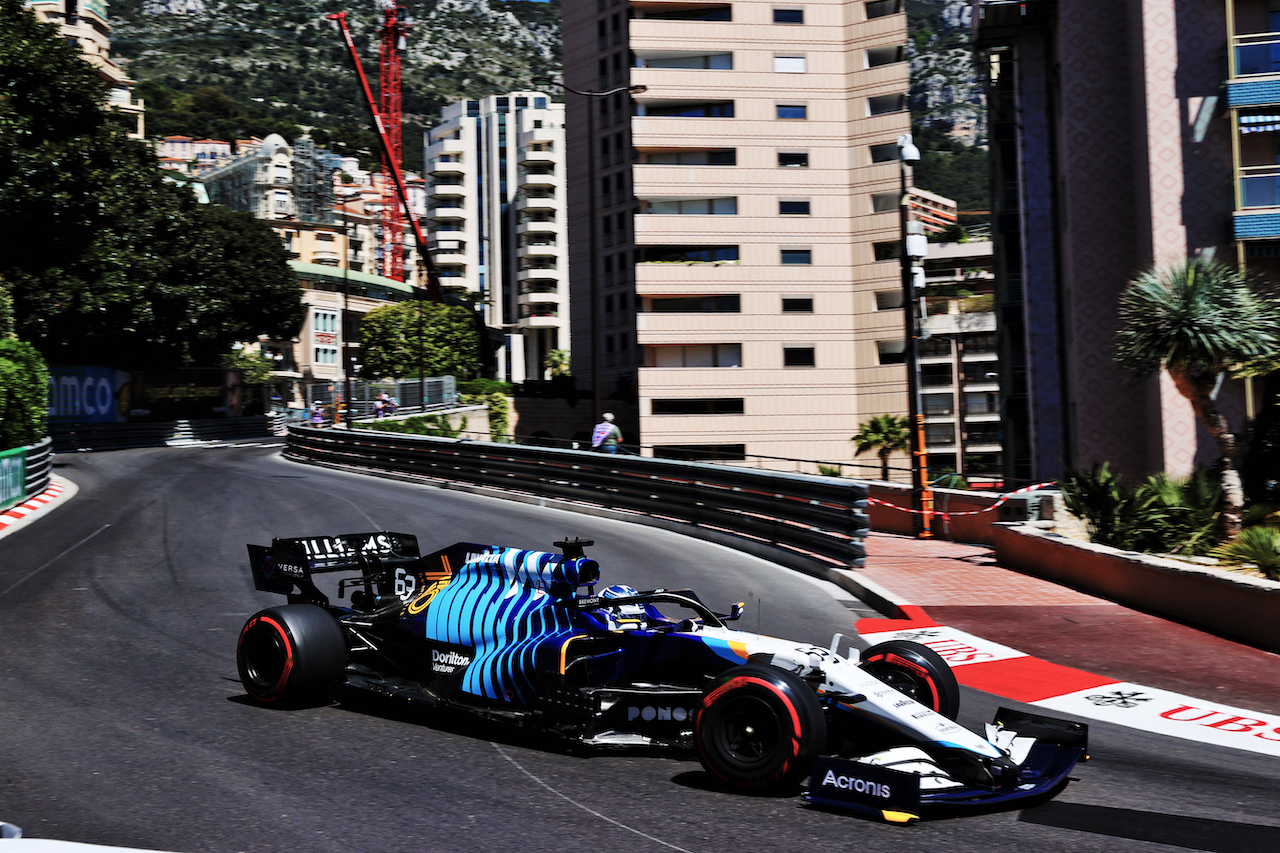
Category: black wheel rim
[902,682]
[264,657]
[749,732]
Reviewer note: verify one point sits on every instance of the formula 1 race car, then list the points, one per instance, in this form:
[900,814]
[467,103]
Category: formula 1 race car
[523,636]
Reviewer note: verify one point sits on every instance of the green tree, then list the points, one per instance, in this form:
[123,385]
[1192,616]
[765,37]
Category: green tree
[105,259]
[396,339]
[24,395]
[1199,320]
[884,434]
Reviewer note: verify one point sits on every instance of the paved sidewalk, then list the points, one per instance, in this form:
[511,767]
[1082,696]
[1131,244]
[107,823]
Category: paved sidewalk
[962,587]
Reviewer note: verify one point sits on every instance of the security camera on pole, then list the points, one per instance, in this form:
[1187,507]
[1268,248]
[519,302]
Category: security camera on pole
[915,245]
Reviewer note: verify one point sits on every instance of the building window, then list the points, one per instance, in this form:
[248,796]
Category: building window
[792,111]
[793,208]
[709,61]
[788,16]
[884,153]
[326,355]
[981,402]
[885,202]
[698,13]
[718,206]
[713,157]
[699,406]
[878,56]
[794,159]
[324,238]
[797,305]
[724,304]
[881,8]
[688,254]
[789,64]
[886,251]
[711,109]
[984,433]
[939,435]
[704,355]
[936,376]
[936,405]
[887,299]
[892,352]
[695,452]
[797,256]
[324,321]
[883,104]
[798,357]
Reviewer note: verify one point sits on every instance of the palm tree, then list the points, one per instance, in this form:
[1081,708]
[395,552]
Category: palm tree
[884,434]
[1200,320]
[557,363]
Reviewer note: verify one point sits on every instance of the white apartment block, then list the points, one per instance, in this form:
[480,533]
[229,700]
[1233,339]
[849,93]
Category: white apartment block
[733,223]
[496,190]
[86,23]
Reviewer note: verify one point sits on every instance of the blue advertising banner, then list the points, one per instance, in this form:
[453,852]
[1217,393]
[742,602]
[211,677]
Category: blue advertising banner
[13,477]
[85,395]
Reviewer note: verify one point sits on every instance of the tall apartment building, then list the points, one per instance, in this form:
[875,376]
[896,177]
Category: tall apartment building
[85,22]
[496,189]
[733,223]
[1112,148]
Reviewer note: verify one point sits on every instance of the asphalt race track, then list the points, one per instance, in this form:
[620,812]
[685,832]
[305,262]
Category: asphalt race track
[122,720]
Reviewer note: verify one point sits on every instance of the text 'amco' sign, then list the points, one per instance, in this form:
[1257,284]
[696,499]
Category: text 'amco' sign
[84,395]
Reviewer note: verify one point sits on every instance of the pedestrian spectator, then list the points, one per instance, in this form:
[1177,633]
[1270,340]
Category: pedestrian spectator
[317,415]
[377,408]
[606,435]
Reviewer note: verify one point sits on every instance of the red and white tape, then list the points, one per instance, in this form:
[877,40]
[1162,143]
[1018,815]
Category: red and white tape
[947,516]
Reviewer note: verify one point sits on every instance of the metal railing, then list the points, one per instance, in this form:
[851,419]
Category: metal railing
[796,519]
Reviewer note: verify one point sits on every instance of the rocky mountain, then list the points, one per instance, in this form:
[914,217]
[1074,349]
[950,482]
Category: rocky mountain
[287,57]
[946,94]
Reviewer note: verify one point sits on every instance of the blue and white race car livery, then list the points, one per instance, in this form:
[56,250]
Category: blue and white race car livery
[523,636]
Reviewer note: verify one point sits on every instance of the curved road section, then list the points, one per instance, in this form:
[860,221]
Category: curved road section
[122,720]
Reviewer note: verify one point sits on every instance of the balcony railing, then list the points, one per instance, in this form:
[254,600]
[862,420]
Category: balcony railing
[1260,186]
[1257,53]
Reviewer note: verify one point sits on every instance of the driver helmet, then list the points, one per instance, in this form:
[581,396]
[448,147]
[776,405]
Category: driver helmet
[621,612]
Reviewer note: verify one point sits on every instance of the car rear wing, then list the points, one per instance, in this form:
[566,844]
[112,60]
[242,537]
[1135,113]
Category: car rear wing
[286,565]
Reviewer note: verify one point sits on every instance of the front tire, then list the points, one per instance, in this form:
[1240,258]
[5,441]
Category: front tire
[917,671]
[759,728]
[291,655]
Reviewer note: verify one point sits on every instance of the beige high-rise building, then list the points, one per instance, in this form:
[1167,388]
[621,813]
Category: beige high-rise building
[744,213]
[86,23]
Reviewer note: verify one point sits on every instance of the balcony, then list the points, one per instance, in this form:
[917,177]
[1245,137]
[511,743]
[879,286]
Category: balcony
[534,156]
[538,178]
[538,248]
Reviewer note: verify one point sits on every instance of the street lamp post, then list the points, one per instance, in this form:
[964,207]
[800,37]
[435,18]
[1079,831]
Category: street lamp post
[913,249]
[597,397]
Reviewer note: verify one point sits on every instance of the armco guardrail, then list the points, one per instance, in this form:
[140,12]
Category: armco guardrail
[68,437]
[25,472]
[808,518]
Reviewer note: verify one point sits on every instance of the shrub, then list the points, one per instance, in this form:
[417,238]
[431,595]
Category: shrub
[1257,545]
[1160,515]
[24,395]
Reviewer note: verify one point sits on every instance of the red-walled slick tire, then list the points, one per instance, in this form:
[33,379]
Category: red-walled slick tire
[759,728]
[916,670]
[291,655]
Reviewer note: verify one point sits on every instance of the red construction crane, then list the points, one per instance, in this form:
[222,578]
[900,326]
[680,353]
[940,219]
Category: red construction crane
[391,163]
[393,36]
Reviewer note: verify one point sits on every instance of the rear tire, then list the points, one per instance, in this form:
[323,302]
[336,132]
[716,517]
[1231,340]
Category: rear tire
[916,670]
[291,655]
[759,728]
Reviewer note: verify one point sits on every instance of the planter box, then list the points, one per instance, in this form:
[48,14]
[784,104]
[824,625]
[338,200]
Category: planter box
[1231,605]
